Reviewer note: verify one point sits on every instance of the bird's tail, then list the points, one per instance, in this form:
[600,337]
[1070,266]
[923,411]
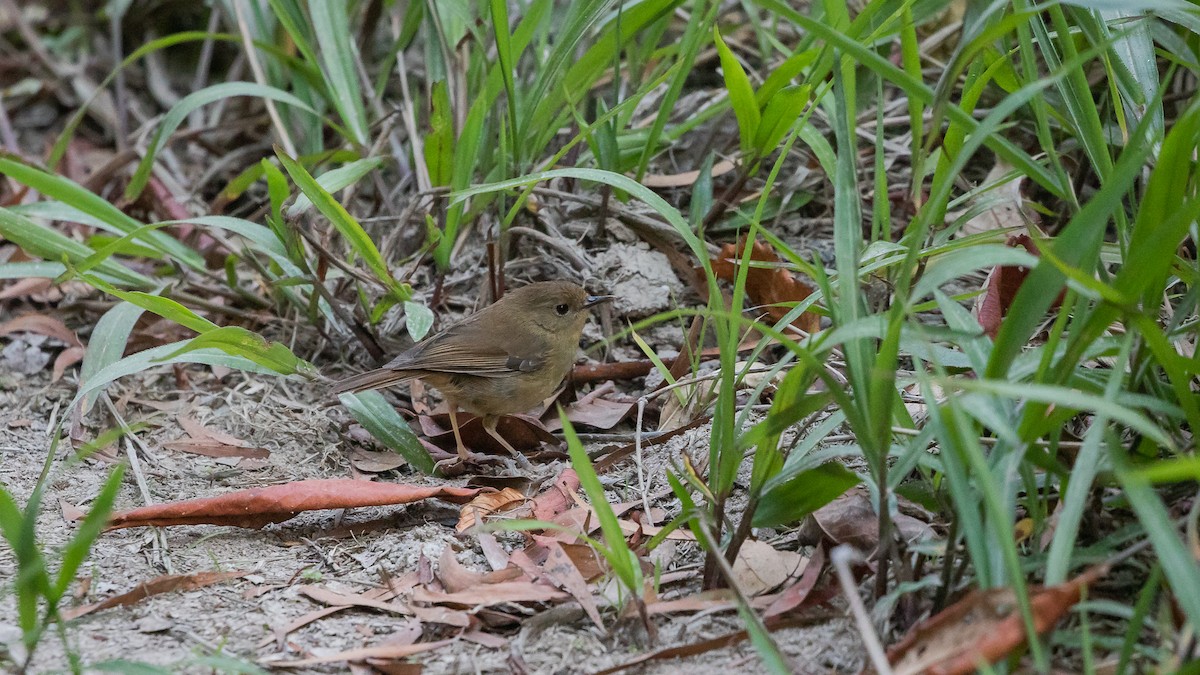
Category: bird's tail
[372,379]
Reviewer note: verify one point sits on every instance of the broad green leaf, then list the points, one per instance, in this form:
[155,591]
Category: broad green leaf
[379,418]
[418,319]
[795,499]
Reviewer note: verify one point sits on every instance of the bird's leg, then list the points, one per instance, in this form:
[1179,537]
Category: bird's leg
[489,425]
[462,449]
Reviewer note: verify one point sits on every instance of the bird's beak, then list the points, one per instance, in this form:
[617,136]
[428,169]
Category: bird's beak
[593,300]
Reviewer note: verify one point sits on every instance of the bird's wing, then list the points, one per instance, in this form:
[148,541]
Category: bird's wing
[462,349]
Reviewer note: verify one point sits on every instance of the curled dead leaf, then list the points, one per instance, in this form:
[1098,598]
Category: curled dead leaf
[486,504]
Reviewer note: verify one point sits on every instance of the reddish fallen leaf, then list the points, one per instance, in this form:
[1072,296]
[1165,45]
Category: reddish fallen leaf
[386,651]
[200,432]
[794,596]
[771,289]
[704,601]
[560,569]
[328,596]
[70,512]
[65,359]
[495,554]
[983,627]
[392,667]
[521,431]
[155,586]
[850,519]
[491,594]
[257,507]
[41,325]
[210,448]
[1001,286]
[486,504]
[582,556]
[486,639]
[455,577]
[558,498]
[597,413]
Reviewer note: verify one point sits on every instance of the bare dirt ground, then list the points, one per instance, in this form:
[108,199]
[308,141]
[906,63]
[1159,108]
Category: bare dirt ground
[306,438]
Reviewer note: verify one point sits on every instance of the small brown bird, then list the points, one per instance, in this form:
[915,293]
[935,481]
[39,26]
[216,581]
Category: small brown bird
[504,359]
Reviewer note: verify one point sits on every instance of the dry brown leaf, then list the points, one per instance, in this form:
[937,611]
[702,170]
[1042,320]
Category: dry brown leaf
[772,290]
[850,519]
[257,507]
[486,504]
[560,569]
[70,512]
[155,586]
[369,461]
[761,567]
[521,431]
[492,594]
[496,556]
[984,627]
[1001,286]
[65,359]
[686,178]
[328,596]
[41,325]
[211,448]
[202,433]
[795,595]
[455,577]
[597,413]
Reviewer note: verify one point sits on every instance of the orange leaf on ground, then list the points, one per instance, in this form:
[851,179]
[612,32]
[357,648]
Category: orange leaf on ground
[155,586]
[257,507]
[772,290]
[983,627]
[486,504]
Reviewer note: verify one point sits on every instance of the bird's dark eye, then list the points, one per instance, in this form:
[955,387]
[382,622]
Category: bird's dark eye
[562,309]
